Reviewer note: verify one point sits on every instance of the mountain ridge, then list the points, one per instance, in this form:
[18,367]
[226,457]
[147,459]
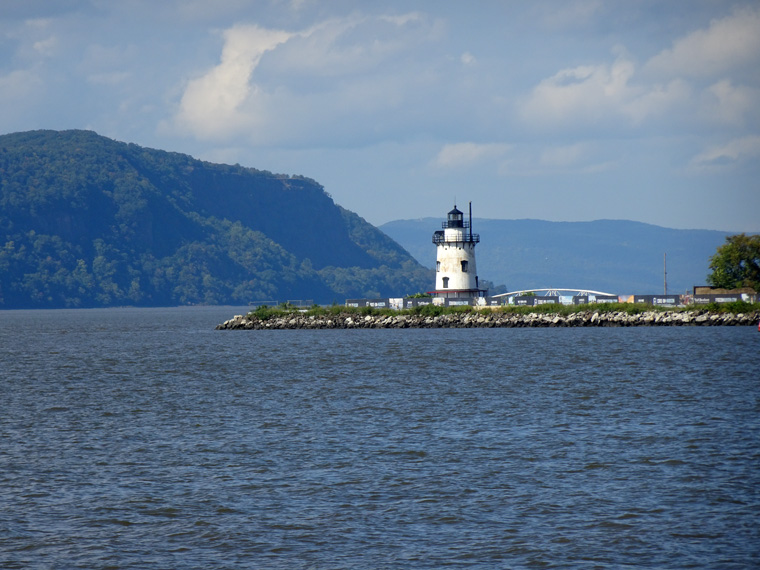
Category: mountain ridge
[87,221]
[616,256]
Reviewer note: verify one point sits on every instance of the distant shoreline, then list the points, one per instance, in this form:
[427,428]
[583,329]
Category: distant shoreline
[492,319]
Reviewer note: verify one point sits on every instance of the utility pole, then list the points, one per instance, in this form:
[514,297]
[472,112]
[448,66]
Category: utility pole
[665,271]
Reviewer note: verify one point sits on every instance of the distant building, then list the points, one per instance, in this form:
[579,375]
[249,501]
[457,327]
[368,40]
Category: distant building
[704,294]
[708,290]
[456,274]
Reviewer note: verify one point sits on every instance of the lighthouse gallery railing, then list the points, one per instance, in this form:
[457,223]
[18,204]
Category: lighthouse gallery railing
[440,237]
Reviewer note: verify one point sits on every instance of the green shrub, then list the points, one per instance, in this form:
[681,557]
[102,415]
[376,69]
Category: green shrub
[427,310]
[263,312]
[732,307]
[267,312]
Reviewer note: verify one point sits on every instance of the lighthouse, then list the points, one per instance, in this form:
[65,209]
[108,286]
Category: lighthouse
[456,274]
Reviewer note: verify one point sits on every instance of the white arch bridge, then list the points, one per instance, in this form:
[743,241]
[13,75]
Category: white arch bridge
[558,292]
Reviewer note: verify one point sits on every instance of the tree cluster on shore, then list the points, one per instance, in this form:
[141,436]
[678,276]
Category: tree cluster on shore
[736,263]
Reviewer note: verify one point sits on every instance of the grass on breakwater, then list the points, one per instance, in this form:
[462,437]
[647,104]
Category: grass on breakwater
[264,313]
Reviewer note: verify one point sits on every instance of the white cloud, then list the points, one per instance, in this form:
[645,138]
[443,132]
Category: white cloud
[728,104]
[466,154]
[726,44]
[327,80]
[319,50]
[735,151]
[622,95]
[343,91]
[657,100]
[353,44]
[580,95]
[212,104]
[35,39]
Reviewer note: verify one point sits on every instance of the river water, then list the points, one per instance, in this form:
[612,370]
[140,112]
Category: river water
[143,438]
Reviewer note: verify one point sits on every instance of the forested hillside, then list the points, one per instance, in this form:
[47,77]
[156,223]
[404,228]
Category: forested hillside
[86,221]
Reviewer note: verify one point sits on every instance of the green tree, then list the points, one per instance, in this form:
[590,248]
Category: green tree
[88,221]
[736,263]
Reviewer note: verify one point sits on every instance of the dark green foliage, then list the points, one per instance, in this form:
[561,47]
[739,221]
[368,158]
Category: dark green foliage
[733,307]
[736,263]
[564,310]
[266,312]
[87,221]
[428,310]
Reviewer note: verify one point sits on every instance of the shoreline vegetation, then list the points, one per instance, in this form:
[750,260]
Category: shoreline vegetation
[287,317]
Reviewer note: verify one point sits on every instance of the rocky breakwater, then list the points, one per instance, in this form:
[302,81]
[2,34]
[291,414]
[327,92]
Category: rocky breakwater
[487,319]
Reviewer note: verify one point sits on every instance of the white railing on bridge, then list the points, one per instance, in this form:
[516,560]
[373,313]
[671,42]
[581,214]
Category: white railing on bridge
[556,292]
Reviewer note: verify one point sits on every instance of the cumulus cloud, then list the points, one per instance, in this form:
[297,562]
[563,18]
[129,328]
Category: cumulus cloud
[656,100]
[211,105]
[727,104]
[726,44]
[466,154]
[310,81]
[353,44]
[623,94]
[584,94]
[327,88]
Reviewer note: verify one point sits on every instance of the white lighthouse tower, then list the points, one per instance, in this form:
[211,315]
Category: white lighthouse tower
[456,274]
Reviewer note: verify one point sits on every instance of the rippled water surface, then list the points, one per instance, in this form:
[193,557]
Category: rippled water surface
[142,438]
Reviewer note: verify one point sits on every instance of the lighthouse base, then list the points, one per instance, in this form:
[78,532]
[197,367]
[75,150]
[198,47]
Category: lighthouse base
[458,293]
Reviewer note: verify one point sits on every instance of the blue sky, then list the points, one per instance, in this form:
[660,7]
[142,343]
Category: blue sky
[558,110]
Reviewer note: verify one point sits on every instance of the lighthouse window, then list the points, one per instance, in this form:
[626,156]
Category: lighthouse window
[437,265]
[464,266]
[445,282]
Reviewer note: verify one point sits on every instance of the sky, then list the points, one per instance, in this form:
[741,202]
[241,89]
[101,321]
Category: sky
[561,110]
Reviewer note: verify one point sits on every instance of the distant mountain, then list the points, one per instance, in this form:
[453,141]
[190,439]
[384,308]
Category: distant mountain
[615,256]
[88,221]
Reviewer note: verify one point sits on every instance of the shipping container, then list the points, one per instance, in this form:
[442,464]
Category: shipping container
[707,299]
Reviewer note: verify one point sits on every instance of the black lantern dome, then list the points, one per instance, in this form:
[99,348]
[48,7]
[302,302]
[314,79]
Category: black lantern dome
[455,219]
